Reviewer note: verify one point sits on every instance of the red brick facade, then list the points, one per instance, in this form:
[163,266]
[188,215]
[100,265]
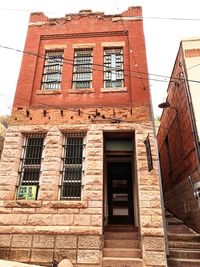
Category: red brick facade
[89,28]
[177,144]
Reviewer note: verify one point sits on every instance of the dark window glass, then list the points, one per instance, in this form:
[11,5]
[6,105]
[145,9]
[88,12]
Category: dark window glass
[82,73]
[72,166]
[31,159]
[52,73]
[113,68]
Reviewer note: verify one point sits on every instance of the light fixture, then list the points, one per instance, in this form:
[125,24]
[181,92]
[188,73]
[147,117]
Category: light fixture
[165,104]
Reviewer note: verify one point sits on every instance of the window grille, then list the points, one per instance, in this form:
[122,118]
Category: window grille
[113,68]
[31,159]
[72,166]
[82,74]
[52,73]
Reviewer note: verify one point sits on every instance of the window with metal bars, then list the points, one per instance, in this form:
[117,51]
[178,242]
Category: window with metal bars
[52,73]
[113,67]
[31,159]
[82,73]
[71,174]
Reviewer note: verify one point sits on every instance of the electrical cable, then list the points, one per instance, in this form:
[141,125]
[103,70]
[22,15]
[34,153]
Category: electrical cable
[136,17]
[99,65]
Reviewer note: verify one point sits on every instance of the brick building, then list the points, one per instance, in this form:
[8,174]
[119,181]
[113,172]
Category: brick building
[79,177]
[178,136]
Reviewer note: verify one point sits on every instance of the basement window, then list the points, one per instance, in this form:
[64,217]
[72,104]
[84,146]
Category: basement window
[52,72]
[82,72]
[113,68]
[72,170]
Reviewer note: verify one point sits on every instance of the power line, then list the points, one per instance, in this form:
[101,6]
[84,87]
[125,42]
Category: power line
[133,17]
[70,62]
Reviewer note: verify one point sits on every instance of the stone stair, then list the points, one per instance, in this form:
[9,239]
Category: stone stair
[184,243]
[121,247]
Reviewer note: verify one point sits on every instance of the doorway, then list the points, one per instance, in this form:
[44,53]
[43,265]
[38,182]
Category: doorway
[120,196]
[119,179]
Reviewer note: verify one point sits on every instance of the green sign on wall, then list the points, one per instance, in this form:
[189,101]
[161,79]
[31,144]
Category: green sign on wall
[27,192]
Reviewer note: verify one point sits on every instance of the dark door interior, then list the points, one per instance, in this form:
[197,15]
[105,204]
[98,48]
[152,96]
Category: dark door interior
[120,196]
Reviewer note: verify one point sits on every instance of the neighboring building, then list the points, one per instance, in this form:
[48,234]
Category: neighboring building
[178,136]
[74,165]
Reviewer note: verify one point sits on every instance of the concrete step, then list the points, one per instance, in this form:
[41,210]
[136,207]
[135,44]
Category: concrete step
[122,252]
[173,221]
[183,262]
[185,253]
[121,235]
[168,214]
[121,228]
[179,229]
[122,262]
[125,243]
[184,237]
[186,245]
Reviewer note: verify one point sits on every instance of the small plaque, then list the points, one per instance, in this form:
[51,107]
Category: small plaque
[149,155]
[27,192]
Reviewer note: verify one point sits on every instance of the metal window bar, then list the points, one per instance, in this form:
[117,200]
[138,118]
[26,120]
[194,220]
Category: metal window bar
[52,73]
[31,159]
[113,67]
[82,72]
[72,166]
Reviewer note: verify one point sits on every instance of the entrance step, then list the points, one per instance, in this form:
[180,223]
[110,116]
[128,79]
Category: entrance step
[123,253]
[125,243]
[121,235]
[122,247]
[121,228]
[122,262]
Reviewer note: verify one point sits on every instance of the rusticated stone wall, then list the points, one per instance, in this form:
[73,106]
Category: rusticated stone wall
[187,206]
[46,229]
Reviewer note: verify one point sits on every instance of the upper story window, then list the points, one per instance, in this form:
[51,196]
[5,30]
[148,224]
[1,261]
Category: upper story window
[30,165]
[82,73]
[72,169]
[113,67]
[52,72]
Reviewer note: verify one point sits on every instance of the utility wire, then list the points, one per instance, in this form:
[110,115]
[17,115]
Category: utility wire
[136,17]
[131,50]
[70,62]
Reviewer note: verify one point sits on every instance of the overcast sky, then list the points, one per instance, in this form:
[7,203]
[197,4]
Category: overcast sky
[163,36]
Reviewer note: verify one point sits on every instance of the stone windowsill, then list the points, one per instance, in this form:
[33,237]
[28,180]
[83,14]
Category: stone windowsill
[114,89]
[23,204]
[81,91]
[68,204]
[48,92]
[39,204]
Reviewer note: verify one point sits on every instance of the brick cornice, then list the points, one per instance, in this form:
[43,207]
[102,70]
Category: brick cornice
[84,35]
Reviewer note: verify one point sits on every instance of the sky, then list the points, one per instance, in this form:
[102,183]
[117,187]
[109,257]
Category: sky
[166,22]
